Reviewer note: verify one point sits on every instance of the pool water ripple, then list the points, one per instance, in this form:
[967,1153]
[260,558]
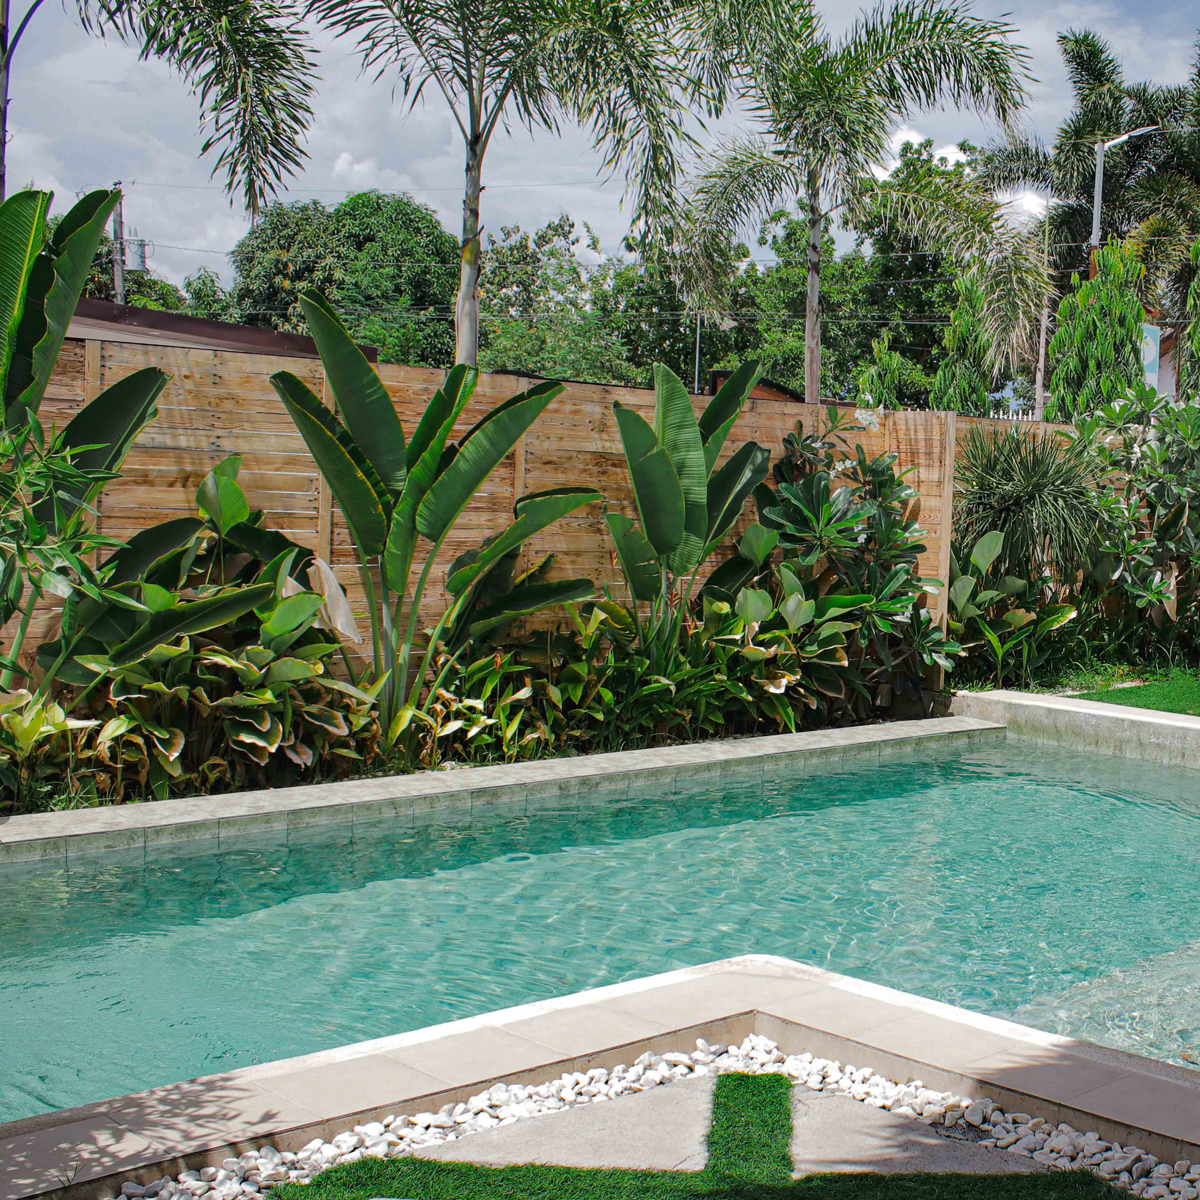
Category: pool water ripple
[1050,887]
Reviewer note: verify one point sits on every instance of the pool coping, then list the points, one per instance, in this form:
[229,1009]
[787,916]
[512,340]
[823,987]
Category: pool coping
[411,798]
[85,1153]
[1144,734]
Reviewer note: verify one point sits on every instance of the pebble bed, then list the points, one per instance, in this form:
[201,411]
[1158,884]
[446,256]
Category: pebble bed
[1054,1146]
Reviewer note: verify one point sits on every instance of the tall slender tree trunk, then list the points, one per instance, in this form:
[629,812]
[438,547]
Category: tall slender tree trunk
[4,36]
[812,303]
[466,312]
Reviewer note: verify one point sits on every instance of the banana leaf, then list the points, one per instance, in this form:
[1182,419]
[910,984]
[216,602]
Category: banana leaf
[361,398]
[479,453]
[353,480]
[533,512]
[58,280]
[678,434]
[22,236]
[656,487]
[639,563]
[194,617]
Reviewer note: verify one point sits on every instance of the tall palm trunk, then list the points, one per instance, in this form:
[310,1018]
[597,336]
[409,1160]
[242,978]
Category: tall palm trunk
[466,311]
[812,305]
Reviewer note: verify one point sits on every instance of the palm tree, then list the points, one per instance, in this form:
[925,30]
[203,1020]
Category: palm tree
[828,108]
[624,70]
[1151,194]
[243,59]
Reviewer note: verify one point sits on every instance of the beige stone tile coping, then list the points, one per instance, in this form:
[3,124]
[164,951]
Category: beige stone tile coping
[87,1152]
[409,798]
[1172,739]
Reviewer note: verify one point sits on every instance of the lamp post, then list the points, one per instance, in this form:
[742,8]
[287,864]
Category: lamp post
[1101,147]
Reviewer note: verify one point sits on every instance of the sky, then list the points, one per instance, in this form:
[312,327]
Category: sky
[85,113]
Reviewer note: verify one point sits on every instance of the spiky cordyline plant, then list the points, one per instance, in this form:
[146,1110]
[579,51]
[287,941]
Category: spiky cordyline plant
[829,107]
[1036,489]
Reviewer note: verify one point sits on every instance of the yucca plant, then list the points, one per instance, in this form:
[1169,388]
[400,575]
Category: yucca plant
[400,498]
[1038,491]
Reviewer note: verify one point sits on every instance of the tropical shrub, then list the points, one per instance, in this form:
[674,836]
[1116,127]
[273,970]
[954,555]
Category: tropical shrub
[49,481]
[400,498]
[845,525]
[686,505]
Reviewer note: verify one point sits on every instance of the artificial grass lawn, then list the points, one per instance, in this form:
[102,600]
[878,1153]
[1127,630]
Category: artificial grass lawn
[1179,693]
[748,1159]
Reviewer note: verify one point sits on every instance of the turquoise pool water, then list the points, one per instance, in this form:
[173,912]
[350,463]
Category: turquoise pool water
[997,880]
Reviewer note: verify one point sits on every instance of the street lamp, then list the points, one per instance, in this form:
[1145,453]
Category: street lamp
[1101,147]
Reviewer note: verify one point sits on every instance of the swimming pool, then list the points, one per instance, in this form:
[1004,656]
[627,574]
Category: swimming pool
[993,879]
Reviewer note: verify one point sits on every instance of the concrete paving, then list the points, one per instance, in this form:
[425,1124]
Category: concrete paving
[834,1133]
[667,1130]
[661,1130]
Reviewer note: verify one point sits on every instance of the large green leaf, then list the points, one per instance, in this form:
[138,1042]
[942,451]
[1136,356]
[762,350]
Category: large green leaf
[102,431]
[430,440]
[531,598]
[729,488]
[22,236]
[639,563]
[656,486]
[59,280]
[679,435]
[449,400]
[144,549]
[725,407]
[361,398]
[479,454]
[194,617]
[354,482]
[533,512]
[986,550]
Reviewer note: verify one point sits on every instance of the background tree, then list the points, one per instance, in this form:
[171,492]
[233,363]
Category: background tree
[828,110]
[383,260]
[539,314]
[1096,352]
[625,71]
[1151,196]
[965,378]
[245,60]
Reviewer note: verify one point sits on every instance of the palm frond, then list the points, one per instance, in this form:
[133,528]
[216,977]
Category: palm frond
[249,64]
[919,53]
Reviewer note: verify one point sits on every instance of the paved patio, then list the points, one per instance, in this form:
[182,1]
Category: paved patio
[665,1130]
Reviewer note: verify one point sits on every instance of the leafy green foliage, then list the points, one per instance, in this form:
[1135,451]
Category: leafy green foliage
[395,494]
[384,261]
[1096,352]
[965,379]
[47,485]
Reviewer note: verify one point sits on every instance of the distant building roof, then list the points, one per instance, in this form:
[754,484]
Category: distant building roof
[764,389]
[98,320]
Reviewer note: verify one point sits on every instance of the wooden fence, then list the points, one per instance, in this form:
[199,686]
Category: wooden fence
[220,403]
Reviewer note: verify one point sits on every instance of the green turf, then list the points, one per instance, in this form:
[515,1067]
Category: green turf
[1178,694]
[748,1160]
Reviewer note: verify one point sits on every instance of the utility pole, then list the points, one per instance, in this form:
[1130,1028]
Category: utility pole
[1039,403]
[1098,188]
[3,92]
[119,247]
[696,390]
